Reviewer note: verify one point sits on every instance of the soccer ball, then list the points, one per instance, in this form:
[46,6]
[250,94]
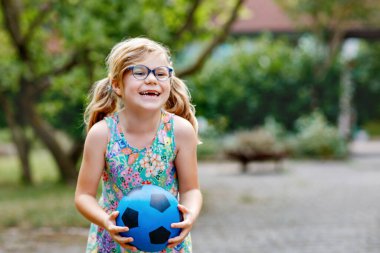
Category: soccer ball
[149,211]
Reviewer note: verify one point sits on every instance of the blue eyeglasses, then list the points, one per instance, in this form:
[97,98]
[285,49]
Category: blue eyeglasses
[141,72]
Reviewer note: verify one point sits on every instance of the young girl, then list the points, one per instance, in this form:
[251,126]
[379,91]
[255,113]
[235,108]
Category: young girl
[141,129]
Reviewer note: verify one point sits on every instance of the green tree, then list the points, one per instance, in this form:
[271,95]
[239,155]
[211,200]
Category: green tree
[330,21]
[367,90]
[53,50]
[249,80]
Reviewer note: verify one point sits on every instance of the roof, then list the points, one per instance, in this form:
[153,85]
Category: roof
[267,15]
[263,15]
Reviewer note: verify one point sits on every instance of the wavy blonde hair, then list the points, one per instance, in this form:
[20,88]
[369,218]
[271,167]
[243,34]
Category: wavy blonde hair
[126,53]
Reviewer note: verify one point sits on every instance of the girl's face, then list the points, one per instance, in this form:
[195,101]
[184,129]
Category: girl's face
[150,93]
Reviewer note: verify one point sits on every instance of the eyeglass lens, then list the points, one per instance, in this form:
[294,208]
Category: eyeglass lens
[141,72]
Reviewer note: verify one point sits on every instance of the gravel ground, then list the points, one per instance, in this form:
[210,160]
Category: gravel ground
[309,207]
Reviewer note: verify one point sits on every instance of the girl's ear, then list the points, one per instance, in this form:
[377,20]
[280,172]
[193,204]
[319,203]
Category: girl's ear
[116,87]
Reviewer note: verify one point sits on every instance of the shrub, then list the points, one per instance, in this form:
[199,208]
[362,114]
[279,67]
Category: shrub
[210,148]
[315,138]
[259,144]
[248,80]
[373,128]
[211,144]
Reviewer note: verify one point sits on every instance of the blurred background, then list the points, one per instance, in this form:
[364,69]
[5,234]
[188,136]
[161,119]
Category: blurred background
[287,97]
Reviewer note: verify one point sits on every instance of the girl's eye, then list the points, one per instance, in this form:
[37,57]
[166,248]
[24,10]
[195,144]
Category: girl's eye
[139,73]
[161,74]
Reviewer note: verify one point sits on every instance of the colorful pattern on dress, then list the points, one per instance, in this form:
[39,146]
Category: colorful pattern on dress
[128,167]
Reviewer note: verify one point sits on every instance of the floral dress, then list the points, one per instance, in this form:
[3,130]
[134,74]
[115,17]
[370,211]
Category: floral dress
[128,167]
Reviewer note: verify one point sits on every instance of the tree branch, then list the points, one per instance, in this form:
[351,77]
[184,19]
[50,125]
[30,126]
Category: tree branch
[223,33]
[45,132]
[19,138]
[43,82]
[189,19]
[11,12]
[44,10]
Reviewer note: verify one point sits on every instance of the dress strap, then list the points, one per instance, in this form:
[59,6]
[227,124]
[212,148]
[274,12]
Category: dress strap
[112,123]
[167,130]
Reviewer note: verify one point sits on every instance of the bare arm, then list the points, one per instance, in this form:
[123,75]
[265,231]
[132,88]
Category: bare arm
[90,173]
[187,170]
[88,180]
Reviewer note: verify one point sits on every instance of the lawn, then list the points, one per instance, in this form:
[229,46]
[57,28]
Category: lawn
[46,203]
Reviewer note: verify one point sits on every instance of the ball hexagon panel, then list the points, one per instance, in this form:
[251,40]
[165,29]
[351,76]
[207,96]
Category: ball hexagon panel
[130,218]
[159,236]
[159,202]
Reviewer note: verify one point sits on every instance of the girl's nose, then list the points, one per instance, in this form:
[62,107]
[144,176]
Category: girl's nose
[151,79]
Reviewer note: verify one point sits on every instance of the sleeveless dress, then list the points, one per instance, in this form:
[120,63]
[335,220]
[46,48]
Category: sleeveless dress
[127,167]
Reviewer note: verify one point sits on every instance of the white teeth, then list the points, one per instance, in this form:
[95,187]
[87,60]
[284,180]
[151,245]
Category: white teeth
[150,93]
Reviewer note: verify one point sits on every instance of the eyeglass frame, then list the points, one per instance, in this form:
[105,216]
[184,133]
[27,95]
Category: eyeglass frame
[171,70]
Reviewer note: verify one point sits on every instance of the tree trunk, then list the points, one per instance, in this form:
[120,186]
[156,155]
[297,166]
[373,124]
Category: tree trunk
[244,166]
[64,162]
[345,103]
[20,140]
[76,151]
[23,149]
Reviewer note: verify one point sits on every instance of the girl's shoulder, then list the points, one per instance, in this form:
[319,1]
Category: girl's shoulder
[182,123]
[183,130]
[98,133]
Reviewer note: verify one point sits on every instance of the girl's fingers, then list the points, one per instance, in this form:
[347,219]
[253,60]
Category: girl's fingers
[114,214]
[185,225]
[179,238]
[186,213]
[187,218]
[123,240]
[182,224]
[173,244]
[174,240]
[183,209]
[126,246]
[117,229]
[110,220]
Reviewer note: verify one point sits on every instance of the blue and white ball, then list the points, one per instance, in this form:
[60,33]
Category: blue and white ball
[149,211]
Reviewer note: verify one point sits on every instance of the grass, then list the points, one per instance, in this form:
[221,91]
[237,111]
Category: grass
[43,168]
[44,204]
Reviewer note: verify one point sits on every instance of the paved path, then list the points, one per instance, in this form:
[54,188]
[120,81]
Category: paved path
[316,207]
[311,207]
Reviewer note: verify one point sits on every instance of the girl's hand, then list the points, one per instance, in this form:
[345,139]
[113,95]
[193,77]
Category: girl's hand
[110,226]
[185,225]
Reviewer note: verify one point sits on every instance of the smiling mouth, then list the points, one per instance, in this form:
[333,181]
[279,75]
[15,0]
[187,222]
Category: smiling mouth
[150,93]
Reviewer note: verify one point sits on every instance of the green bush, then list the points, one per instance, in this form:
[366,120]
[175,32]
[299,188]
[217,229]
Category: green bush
[259,144]
[247,80]
[253,144]
[209,149]
[365,76]
[373,128]
[315,138]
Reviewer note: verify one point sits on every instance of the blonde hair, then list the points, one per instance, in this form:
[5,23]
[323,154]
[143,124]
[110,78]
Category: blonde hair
[104,101]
